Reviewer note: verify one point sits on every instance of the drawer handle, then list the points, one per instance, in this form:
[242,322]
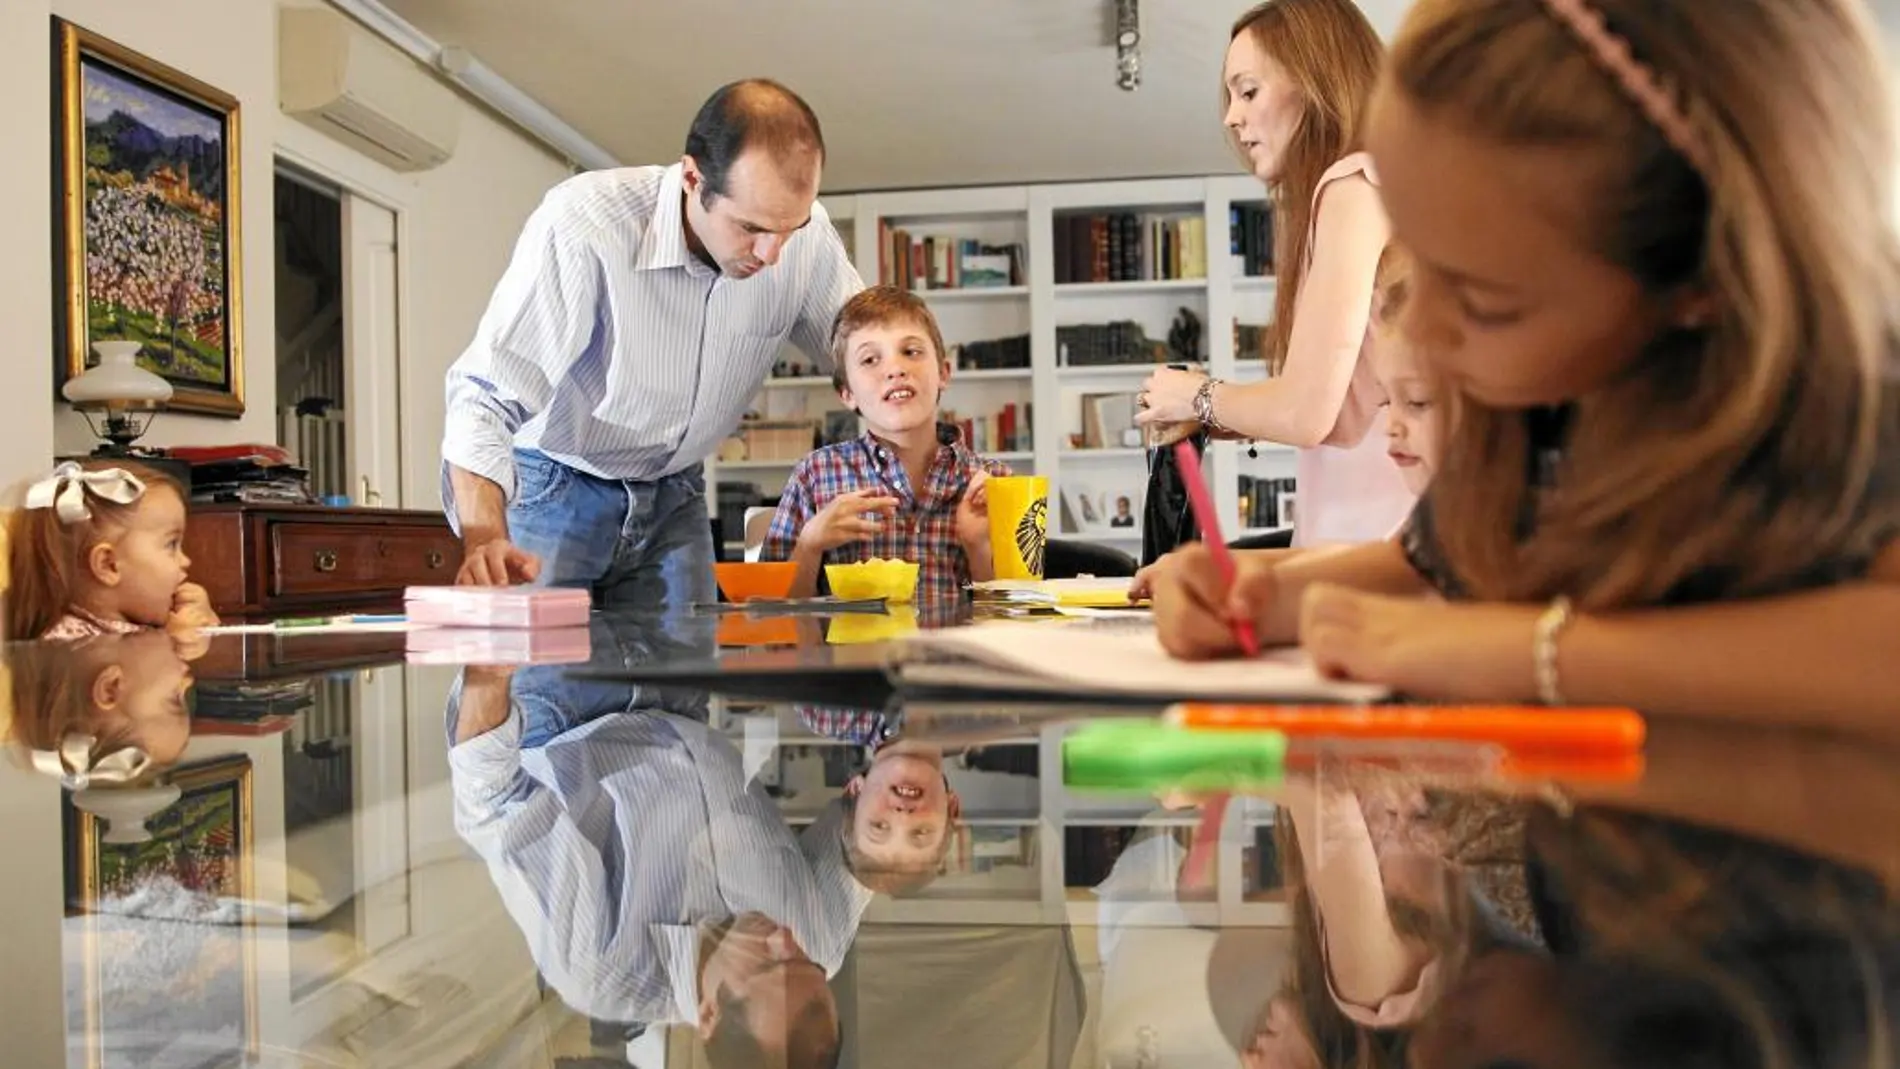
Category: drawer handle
[325,560]
[436,558]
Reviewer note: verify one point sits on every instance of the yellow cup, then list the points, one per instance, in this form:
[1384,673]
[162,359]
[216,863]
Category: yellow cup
[1019,524]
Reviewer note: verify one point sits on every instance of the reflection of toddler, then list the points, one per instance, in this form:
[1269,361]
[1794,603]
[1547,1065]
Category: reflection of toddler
[106,710]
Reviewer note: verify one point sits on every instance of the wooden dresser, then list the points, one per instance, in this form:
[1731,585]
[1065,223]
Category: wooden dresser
[272,560]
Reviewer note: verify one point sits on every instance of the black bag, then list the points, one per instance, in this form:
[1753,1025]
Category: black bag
[1167,519]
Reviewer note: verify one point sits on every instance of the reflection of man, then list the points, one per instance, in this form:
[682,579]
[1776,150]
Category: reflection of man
[640,312]
[653,882]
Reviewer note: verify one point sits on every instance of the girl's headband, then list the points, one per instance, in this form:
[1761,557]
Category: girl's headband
[1638,80]
[65,490]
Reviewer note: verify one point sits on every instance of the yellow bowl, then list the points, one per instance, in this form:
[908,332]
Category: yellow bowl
[852,628]
[892,580]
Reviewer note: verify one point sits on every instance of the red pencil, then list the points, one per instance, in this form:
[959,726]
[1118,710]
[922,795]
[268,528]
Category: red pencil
[1205,518]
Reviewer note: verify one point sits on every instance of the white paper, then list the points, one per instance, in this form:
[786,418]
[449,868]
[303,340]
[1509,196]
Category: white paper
[1123,656]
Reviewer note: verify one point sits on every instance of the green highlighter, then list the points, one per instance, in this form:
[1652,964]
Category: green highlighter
[1149,755]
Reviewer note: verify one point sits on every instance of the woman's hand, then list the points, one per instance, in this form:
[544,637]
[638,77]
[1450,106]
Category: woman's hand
[1167,396]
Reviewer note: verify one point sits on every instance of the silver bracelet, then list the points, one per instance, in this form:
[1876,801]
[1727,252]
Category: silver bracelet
[1550,625]
[1204,405]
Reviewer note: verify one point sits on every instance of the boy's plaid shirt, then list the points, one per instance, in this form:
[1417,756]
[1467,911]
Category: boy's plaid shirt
[923,529]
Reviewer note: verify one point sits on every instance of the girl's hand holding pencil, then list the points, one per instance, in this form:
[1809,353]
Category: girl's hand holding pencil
[1196,608]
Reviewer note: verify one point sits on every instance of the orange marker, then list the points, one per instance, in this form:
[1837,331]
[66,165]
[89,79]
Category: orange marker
[1516,728]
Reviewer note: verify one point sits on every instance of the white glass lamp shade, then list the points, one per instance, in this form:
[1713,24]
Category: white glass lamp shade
[117,380]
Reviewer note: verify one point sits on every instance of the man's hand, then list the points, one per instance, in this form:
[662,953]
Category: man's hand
[191,609]
[496,562]
[847,519]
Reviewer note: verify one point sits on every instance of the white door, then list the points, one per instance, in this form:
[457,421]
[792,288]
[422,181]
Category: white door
[371,352]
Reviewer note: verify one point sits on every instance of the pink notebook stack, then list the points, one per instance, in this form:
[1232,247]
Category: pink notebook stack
[472,645]
[489,607]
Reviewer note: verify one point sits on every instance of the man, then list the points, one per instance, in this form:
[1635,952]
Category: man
[654,882]
[641,311]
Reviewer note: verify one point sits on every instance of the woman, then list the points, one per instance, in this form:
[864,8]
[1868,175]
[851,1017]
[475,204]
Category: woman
[1297,77]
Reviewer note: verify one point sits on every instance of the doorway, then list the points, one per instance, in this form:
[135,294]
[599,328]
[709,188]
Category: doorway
[338,411]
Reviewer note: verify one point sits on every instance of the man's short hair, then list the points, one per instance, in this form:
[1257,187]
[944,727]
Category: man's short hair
[813,1041]
[755,112]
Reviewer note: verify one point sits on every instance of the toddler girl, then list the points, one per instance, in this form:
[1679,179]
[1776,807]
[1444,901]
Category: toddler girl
[97,549]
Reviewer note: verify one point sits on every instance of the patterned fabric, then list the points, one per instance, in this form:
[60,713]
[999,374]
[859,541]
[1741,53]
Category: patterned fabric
[862,727]
[610,347]
[924,526]
[79,623]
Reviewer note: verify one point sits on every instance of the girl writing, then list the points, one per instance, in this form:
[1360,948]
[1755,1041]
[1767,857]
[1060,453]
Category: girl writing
[1663,296]
[99,549]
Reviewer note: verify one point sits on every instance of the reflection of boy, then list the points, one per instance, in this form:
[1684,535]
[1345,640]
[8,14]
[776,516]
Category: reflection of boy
[901,818]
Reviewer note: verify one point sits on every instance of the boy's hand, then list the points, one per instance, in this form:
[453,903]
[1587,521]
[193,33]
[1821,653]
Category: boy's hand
[973,513]
[848,518]
[191,608]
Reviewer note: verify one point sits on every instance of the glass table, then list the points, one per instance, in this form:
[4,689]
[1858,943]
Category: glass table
[322,850]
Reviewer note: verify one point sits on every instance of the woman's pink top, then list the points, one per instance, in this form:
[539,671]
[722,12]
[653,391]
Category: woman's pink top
[1353,492]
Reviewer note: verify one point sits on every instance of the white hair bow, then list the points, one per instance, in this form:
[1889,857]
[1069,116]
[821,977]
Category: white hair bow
[76,769]
[65,490]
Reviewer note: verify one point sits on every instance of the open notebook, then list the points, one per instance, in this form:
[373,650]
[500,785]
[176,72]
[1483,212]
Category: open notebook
[1109,658]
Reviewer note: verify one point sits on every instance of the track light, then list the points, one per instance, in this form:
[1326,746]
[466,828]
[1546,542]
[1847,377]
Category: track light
[1128,44]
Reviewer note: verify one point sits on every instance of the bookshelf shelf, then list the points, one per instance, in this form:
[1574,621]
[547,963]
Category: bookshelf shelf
[1256,283]
[1108,453]
[1105,371]
[798,382]
[987,374]
[973,293]
[1122,289]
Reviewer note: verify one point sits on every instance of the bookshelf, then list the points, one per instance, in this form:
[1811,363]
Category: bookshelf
[1024,277]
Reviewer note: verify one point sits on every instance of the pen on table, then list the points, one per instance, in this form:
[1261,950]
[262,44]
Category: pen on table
[294,622]
[1513,727]
[1205,518]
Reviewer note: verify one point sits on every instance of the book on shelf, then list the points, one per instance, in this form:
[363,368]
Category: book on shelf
[1006,430]
[1250,239]
[996,354]
[1129,247]
[1267,502]
[1106,419]
[945,262]
[1109,344]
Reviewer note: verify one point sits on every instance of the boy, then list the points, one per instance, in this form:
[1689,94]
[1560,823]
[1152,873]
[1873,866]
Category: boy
[907,488]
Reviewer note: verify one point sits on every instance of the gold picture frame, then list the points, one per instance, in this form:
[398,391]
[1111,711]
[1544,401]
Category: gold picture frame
[148,228]
[201,845]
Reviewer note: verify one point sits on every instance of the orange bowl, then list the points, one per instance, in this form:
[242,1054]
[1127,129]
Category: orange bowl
[751,580]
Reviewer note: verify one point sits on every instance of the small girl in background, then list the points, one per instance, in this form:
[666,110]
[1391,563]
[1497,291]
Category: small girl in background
[1411,426]
[98,549]
[1663,295]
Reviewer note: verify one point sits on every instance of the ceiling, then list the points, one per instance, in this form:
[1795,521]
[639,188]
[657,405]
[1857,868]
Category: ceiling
[912,93]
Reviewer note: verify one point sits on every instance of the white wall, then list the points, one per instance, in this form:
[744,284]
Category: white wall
[468,214]
[462,221]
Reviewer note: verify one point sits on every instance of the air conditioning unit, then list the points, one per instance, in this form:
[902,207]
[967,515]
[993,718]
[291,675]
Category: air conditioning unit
[340,79]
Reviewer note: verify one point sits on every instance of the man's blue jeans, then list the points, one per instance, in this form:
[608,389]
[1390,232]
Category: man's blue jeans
[639,546]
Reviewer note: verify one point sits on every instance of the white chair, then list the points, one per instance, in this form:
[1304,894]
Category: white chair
[758,521]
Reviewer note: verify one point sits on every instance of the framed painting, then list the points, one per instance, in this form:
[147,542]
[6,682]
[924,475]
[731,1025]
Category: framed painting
[166,968]
[147,217]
